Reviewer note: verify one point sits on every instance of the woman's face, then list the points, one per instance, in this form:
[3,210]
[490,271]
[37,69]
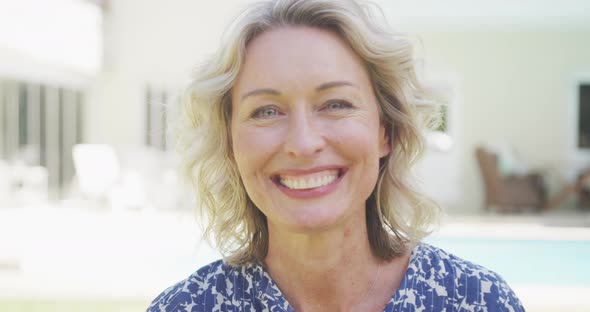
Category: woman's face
[306,133]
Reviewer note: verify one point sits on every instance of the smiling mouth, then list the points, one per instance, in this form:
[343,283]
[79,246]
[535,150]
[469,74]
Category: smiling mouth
[308,181]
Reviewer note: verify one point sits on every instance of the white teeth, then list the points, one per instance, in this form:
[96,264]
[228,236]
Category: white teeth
[309,182]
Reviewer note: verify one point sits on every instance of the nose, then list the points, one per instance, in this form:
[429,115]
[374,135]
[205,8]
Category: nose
[304,138]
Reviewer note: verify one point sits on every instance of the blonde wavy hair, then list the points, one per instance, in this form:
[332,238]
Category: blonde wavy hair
[397,215]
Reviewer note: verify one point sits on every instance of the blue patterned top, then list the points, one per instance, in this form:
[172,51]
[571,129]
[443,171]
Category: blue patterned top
[435,281]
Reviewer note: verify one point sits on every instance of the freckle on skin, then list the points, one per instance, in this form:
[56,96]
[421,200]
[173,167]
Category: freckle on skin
[347,232]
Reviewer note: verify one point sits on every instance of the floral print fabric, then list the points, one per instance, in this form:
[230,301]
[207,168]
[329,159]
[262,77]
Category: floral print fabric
[435,281]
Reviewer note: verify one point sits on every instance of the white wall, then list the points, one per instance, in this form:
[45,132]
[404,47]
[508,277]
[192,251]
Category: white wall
[517,89]
[54,42]
[514,84]
[148,42]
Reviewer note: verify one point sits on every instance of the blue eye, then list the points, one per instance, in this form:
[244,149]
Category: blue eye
[336,105]
[265,112]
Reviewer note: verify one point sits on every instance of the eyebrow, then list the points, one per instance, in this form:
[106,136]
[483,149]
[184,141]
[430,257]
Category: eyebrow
[334,84]
[261,91]
[322,87]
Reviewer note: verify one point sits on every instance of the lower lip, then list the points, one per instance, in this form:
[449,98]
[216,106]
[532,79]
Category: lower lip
[310,193]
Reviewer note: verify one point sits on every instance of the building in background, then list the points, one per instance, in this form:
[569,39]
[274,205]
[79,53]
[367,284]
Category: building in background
[107,75]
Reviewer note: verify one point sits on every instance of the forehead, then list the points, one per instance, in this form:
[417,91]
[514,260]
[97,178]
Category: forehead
[295,56]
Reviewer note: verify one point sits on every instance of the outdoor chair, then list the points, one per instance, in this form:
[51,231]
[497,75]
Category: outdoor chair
[509,193]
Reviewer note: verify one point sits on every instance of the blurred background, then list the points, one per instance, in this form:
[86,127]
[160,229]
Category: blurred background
[94,217]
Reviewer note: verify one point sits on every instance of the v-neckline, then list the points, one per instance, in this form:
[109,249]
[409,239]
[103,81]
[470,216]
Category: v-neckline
[269,290]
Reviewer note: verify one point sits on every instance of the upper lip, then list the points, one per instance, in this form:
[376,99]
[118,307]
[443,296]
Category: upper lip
[294,172]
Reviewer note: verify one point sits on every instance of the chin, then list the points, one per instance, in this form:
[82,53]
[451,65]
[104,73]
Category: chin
[314,220]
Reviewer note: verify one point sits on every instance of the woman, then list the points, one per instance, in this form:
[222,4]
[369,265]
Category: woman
[301,133]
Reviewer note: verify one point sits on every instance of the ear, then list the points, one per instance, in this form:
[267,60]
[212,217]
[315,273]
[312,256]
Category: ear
[384,141]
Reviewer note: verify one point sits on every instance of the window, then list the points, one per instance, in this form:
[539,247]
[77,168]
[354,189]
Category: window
[40,125]
[583,129]
[443,126]
[155,121]
[160,108]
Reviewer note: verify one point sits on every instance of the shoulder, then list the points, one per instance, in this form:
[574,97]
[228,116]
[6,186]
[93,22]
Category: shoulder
[461,283]
[211,288]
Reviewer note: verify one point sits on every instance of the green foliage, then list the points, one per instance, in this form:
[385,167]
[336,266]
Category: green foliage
[442,126]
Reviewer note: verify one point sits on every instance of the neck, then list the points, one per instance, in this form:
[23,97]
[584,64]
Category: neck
[332,270]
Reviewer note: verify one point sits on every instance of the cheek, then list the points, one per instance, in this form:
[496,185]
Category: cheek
[359,143]
[359,139]
[253,150]
[252,147]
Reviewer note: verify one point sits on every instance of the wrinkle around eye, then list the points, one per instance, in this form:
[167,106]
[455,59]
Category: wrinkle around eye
[343,105]
[266,112]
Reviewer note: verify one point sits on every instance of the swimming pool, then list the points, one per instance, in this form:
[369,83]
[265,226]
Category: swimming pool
[533,262]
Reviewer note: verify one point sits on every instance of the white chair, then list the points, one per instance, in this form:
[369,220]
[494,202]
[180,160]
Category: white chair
[97,170]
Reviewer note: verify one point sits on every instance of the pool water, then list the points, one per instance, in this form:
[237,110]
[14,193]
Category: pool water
[534,262]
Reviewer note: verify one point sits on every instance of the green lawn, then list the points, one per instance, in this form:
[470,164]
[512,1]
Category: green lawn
[21,305]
